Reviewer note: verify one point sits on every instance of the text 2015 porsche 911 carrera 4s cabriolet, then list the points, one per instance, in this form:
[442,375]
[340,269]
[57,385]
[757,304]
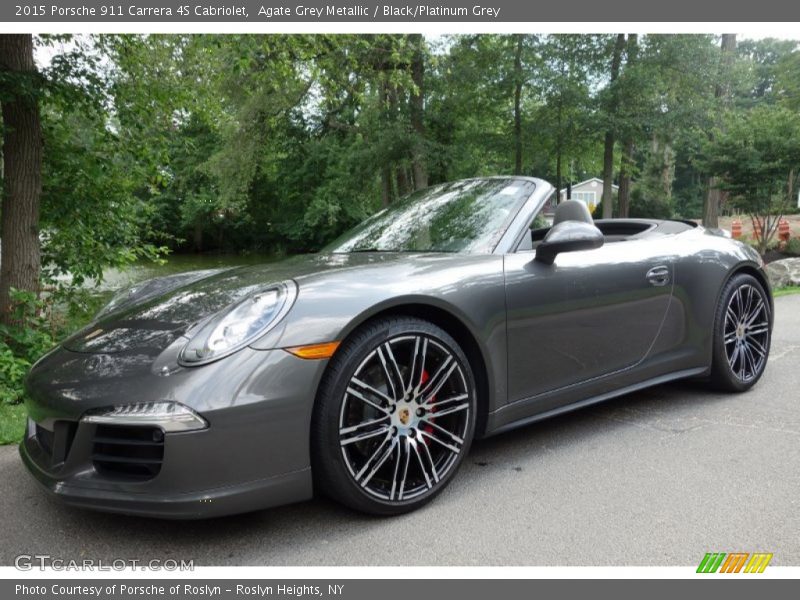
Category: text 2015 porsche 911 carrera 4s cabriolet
[365,371]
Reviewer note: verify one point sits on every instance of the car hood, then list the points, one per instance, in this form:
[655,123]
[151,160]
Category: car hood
[163,309]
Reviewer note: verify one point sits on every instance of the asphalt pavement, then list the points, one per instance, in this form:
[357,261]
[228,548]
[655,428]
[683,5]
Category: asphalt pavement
[659,477]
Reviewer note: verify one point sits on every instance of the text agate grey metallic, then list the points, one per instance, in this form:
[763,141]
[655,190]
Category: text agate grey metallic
[530,340]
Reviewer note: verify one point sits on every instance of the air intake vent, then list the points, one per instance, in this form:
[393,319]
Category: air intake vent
[128,452]
[56,444]
[45,438]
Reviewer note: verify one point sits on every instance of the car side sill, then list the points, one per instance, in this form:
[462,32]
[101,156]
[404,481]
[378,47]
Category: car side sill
[592,400]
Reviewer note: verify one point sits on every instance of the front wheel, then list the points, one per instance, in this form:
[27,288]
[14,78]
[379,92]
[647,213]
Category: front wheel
[395,416]
[742,332]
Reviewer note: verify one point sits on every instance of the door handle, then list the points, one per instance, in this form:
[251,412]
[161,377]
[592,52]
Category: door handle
[658,276]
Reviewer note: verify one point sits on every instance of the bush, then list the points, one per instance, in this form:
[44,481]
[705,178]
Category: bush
[792,247]
[644,206]
[32,334]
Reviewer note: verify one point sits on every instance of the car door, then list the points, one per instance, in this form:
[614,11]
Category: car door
[589,314]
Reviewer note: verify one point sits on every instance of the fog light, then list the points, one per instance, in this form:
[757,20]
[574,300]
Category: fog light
[169,416]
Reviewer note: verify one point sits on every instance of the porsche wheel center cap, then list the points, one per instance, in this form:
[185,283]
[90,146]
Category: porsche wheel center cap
[404,417]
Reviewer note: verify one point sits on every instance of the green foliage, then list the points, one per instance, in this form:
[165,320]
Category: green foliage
[646,206]
[278,143]
[12,423]
[32,334]
[792,247]
[757,156]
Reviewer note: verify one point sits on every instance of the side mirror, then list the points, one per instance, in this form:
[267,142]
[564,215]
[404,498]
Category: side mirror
[568,236]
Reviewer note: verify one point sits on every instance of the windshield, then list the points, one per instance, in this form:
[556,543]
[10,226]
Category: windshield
[465,216]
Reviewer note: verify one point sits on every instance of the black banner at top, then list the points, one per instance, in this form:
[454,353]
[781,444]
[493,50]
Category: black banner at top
[309,11]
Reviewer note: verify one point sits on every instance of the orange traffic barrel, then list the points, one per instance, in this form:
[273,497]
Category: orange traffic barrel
[783,230]
[736,229]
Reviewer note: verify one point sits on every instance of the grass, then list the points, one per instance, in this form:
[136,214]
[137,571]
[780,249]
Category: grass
[786,291]
[12,423]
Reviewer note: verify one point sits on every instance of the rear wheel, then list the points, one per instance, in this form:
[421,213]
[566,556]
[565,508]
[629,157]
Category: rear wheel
[742,333]
[394,417]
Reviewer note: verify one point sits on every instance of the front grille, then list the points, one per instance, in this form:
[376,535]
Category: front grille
[128,452]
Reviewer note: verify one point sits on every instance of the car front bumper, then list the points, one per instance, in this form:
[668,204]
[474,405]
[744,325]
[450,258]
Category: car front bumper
[254,454]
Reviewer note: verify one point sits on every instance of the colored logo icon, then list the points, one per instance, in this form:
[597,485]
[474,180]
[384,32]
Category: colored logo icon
[734,562]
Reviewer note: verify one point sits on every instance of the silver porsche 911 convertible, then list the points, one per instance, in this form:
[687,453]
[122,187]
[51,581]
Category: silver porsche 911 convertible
[365,371]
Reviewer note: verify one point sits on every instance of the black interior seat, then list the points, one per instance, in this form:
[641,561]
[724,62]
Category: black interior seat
[572,210]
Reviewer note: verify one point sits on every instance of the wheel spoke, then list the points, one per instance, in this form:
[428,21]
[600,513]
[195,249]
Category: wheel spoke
[377,453]
[733,357]
[436,382]
[407,460]
[396,470]
[742,363]
[364,436]
[452,447]
[437,405]
[384,457]
[752,315]
[756,345]
[748,302]
[389,377]
[759,329]
[426,464]
[750,362]
[740,301]
[451,410]
[731,337]
[364,388]
[391,371]
[418,342]
[441,429]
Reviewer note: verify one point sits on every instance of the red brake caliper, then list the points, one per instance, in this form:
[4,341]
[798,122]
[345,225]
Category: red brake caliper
[427,427]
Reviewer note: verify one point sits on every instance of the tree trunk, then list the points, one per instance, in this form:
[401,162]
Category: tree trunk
[558,175]
[386,186]
[608,153]
[517,109]
[626,165]
[420,173]
[722,93]
[20,262]
[558,148]
[386,171]
[403,187]
[198,235]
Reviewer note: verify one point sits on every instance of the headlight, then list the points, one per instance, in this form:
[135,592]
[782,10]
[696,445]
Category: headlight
[239,325]
[169,416]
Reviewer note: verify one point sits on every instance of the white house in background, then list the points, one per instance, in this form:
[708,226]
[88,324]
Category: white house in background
[589,191]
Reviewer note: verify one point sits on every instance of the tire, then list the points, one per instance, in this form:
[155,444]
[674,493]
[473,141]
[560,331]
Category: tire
[386,440]
[742,334]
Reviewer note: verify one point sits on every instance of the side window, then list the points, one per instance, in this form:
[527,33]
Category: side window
[537,228]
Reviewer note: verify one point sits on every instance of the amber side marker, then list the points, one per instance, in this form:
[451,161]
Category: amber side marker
[314,351]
